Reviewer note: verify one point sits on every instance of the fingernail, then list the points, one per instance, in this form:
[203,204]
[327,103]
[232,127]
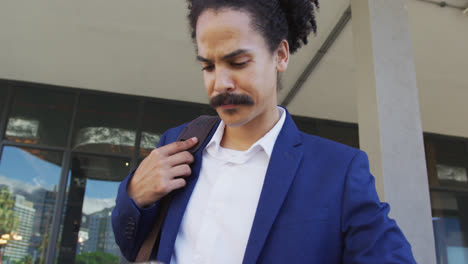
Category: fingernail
[194,139]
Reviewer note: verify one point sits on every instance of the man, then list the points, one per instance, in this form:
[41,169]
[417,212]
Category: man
[259,190]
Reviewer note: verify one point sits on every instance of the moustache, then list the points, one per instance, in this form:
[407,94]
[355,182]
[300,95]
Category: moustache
[229,98]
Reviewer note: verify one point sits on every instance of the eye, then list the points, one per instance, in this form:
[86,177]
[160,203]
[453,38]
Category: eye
[208,68]
[239,64]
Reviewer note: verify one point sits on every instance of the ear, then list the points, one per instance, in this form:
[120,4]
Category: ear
[282,56]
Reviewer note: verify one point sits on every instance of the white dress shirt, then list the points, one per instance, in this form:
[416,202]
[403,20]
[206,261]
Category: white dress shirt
[219,216]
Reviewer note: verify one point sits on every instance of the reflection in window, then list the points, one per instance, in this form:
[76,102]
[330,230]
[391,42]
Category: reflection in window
[105,124]
[23,128]
[28,183]
[106,136]
[451,173]
[149,140]
[98,224]
[40,117]
[87,229]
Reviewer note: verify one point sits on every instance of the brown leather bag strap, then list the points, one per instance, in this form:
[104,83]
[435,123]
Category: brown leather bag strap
[153,236]
[200,128]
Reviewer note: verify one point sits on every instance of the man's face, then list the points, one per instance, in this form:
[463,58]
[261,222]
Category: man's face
[239,71]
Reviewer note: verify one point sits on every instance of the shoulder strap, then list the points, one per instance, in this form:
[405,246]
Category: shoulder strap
[200,128]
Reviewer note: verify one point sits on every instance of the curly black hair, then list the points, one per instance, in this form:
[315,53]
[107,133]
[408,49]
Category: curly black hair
[276,20]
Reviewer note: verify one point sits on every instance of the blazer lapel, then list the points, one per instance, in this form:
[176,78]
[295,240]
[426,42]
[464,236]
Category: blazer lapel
[178,205]
[286,156]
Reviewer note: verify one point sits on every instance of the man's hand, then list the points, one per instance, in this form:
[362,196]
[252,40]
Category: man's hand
[160,172]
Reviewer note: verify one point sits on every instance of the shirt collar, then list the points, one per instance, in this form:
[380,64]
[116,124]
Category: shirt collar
[266,143]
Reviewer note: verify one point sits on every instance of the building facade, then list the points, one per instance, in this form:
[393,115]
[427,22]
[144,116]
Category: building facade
[67,149]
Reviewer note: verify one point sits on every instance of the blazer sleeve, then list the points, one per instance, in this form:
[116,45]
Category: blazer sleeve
[131,223]
[370,236]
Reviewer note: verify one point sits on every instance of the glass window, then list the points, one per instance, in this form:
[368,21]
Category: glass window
[40,116]
[450,221]
[343,133]
[106,124]
[28,191]
[3,94]
[448,173]
[159,117]
[306,124]
[447,162]
[87,233]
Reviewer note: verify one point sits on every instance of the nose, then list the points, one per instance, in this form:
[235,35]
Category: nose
[223,82]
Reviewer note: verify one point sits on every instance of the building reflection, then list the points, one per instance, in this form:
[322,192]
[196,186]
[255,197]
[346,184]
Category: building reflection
[100,234]
[24,210]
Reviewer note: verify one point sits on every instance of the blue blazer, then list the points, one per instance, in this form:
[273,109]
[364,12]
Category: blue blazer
[318,205]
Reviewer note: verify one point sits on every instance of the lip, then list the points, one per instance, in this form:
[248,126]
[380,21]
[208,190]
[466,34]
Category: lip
[228,106]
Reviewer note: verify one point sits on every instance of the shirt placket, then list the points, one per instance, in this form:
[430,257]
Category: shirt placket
[209,230]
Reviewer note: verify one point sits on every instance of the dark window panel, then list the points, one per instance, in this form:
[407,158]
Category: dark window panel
[447,162]
[39,116]
[307,125]
[450,151]
[449,146]
[3,95]
[344,133]
[105,124]
[431,162]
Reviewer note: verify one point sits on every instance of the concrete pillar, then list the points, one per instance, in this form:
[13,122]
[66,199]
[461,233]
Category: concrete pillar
[389,120]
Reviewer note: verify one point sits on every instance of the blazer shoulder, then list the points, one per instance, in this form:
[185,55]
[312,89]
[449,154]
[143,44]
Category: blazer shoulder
[328,147]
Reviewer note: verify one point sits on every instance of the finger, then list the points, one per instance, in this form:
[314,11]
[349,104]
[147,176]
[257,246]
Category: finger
[178,146]
[177,184]
[183,157]
[183,170]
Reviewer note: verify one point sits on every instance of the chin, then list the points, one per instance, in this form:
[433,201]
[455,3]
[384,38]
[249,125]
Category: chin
[233,117]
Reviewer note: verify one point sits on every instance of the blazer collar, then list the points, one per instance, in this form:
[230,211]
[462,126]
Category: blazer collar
[284,161]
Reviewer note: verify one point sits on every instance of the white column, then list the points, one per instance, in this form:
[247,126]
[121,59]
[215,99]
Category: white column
[389,120]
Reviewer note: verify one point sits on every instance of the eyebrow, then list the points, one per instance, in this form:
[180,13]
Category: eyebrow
[225,57]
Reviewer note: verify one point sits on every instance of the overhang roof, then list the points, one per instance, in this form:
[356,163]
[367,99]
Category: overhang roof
[143,48]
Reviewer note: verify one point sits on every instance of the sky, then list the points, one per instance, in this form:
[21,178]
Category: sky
[21,170]
[20,165]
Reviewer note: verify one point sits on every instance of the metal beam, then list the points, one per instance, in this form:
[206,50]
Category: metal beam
[4,115]
[345,18]
[61,193]
[444,4]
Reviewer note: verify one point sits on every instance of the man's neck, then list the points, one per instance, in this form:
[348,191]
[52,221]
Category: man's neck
[243,137]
